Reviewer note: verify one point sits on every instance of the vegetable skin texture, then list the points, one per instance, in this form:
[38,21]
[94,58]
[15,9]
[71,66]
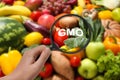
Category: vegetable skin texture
[68,22]
[62,65]
[55,77]
[112,28]
[12,33]
[32,26]
[9,61]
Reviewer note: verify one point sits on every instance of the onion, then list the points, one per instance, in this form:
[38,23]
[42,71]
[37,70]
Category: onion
[68,22]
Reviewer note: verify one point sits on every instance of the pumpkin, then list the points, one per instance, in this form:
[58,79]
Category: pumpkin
[112,28]
[12,33]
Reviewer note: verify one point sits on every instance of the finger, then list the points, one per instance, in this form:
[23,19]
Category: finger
[30,55]
[43,58]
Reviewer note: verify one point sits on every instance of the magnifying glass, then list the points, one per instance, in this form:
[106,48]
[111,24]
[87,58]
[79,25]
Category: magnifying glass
[78,34]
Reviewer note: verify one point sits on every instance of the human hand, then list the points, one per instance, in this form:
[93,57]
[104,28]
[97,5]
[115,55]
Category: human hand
[31,64]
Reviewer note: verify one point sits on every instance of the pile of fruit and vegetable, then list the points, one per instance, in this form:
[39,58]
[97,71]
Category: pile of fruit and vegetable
[25,24]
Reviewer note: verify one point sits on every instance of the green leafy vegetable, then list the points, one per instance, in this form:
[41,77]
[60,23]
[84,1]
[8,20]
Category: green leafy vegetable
[76,42]
[97,29]
[110,4]
[109,65]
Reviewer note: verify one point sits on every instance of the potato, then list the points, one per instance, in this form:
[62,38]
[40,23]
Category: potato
[58,77]
[55,77]
[49,78]
[62,65]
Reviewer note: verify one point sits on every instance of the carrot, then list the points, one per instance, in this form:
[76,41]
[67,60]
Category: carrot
[91,6]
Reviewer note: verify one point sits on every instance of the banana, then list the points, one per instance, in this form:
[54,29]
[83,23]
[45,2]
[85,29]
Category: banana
[19,18]
[14,10]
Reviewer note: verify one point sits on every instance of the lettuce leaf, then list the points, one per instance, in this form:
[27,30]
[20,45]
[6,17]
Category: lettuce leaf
[109,64]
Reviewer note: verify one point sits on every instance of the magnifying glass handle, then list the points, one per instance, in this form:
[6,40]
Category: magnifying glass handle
[54,47]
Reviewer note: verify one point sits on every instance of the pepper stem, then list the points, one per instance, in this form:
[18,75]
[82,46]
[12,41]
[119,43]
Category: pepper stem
[114,39]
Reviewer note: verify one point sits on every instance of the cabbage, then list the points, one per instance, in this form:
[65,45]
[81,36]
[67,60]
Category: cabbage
[110,4]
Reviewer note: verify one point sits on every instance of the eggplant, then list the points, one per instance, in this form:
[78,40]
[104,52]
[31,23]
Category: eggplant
[33,4]
[32,26]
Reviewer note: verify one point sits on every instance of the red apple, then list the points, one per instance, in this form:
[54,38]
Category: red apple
[33,4]
[46,20]
[9,2]
[79,78]
[45,11]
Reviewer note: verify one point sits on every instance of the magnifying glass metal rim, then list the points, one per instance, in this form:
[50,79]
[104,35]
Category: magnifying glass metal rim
[54,45]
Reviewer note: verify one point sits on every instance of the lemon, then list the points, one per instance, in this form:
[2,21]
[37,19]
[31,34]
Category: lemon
[33,38]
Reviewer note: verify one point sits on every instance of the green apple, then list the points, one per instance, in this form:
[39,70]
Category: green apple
[116,14]
[87,69]
[94,50]
[99,77]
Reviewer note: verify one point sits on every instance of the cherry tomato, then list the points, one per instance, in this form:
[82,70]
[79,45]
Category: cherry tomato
[60,39]
[46,41]
[35,15]
[75,61]
[79,78]
[47,70]
[1,73]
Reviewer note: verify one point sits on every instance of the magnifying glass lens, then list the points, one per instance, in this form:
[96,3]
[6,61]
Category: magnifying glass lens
[70,33]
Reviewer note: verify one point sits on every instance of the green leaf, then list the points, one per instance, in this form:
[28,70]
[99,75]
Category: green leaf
[76,42]
[70,42]
[109,65]
[97,29]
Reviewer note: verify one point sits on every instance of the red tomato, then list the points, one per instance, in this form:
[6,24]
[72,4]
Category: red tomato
[46,41]
[47,70]
[1,73]
[46,20]
[79,78]
[75,61]
[60,39]
[35,15]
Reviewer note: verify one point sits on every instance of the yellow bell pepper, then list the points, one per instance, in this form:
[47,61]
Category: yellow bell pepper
[73,49]
[9,61]
[67,49]
[77,10]
[105,14]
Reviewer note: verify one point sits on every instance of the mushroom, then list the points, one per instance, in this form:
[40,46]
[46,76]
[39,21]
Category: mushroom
[90,13]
